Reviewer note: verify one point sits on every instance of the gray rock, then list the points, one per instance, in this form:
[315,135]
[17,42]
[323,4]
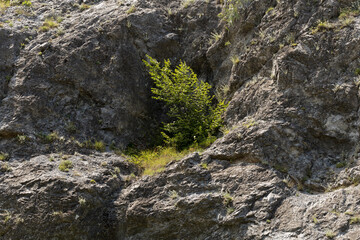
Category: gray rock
[286,167]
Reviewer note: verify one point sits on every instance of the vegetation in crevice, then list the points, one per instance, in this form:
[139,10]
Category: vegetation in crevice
[232,10]
[194,118]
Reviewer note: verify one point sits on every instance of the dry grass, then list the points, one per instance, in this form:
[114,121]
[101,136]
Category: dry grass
[154,161]
[48,24]
[4,4]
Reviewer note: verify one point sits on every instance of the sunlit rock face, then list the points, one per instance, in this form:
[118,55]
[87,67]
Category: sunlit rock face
[286,165]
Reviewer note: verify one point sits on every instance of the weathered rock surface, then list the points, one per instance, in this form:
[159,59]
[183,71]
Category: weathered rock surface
[38,201]
[85,78]
[287,166]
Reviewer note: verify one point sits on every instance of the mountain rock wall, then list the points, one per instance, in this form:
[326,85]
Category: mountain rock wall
[286,166]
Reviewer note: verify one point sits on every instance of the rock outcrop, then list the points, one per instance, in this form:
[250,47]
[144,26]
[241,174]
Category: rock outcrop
[286,167]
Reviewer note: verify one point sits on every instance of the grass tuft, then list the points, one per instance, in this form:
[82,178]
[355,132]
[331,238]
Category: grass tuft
[3,156]
[154,161]
[48,24]
[99,146]
[65,165]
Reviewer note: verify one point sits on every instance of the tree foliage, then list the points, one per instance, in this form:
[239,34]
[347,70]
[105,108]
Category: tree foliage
[193,117]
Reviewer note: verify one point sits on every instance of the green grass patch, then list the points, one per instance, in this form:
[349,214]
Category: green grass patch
[357,71]
[48,24]
[99,146]
[153,161]
[330,234]
[84,7]
[355,220]
[4,5]
[348,12]
[65,165]
[131,10]
[5,167]
[27,3]
[3,156]
[322,26]
[228,199]
[187,3]
[233,9]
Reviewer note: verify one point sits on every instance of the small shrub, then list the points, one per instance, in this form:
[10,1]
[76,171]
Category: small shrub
[27,3]
[355,220]
[99,146]
[173,194]
[232,10]
[228,199]
[59,19]
[214,37]
[5,167]
[52,137]
[193,118]
[82,201]
[330,234]
[204,165]
[235,60]
[222,92]
[65,165]
[60,32]
[131,10]
[4,4]
[117,170]
[187,3]
[130,177]
[87,144]
[84,6]
[347,22]
[357,71]
[322,26]
[22,138]
[7,216]
[230,210]
[19,220]
[128,24]
[48,24]
[3,156]
[349,12]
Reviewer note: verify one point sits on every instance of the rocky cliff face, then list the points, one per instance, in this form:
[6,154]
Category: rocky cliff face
[287,166]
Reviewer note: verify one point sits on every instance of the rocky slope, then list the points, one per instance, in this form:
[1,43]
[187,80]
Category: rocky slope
[287,166]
